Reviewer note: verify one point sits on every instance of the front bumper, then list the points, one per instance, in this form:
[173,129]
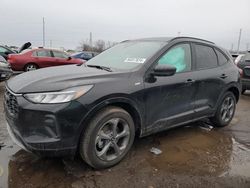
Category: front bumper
[45,129]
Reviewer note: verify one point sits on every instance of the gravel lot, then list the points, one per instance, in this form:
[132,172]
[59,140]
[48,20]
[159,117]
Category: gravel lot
[192,156]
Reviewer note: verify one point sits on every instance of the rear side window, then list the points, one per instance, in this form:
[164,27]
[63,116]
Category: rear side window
[42,53]
[205,57]
[221,58]
[178,56]
[60,55]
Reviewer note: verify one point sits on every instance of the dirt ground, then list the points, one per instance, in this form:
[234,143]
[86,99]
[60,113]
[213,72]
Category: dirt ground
[192,156]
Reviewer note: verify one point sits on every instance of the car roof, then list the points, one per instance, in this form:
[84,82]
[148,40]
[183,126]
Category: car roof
[170,39]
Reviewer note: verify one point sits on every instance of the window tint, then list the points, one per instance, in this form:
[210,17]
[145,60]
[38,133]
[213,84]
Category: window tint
[60,54]
[179,56]
[205,57]
[222,59]
[43,53]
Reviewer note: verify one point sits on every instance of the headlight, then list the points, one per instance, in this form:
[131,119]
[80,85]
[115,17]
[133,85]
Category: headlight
[58,97]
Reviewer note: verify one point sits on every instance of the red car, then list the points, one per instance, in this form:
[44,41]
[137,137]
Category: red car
[39,58]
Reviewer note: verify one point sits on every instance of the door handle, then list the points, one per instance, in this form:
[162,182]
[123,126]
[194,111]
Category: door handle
[190,81]
[223,76]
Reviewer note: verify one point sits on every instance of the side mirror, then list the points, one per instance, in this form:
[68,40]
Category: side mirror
[69,58]
[164,70]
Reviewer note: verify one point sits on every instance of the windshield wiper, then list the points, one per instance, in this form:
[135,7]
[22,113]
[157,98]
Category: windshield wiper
[100,67]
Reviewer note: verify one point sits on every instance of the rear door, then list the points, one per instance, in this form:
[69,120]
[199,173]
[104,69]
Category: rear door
[43,58]
[209,78]
[61,58]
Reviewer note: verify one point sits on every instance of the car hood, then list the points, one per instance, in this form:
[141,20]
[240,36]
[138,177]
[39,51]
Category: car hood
[57,78]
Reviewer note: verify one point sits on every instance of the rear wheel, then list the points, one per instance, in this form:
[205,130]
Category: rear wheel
[225,110]
[30,67]
[108,138]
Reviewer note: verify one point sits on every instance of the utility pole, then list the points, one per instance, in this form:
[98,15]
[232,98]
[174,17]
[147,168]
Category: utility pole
[238,49]
[232,47]
[43,32]
[50,43]
[90,40]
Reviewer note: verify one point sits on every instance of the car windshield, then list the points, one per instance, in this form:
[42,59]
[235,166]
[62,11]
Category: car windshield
[127,55]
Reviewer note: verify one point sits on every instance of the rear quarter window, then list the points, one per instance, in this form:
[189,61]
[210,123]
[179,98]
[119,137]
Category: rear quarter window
[221,57]
[205,57]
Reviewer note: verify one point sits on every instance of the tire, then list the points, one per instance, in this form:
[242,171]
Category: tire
[220,119]
[100,135]
[30,67]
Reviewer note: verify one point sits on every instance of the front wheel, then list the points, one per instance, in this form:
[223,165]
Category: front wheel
[108,138]
[225,111]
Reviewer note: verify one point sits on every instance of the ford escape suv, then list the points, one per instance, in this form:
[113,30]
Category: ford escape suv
[137,87]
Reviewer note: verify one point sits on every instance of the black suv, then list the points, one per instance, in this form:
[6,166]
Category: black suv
[138,86]
[244,65]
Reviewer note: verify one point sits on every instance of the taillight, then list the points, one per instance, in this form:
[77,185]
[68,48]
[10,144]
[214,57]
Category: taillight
[241,72]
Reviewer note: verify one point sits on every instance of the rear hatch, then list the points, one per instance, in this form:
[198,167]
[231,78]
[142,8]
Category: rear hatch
[244,64]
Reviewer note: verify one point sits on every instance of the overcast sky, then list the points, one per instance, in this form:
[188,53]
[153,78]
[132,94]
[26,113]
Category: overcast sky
[69,21]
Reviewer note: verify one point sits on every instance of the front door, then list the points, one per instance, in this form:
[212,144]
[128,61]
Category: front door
[170,99]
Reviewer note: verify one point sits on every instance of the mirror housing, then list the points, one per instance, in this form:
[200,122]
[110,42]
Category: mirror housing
[164,70]
[69,58]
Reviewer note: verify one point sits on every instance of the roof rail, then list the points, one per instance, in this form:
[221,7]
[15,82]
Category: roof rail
[191,38]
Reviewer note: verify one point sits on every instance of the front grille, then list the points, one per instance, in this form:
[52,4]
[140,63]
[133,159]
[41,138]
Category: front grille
[11,103]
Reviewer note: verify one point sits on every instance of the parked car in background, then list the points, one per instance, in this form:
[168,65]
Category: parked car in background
[5,70]
[34,59]
[138,86]
[244,65]
[5,51]
[85,55]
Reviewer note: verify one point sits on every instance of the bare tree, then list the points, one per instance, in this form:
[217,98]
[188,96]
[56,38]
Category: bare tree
[99,46]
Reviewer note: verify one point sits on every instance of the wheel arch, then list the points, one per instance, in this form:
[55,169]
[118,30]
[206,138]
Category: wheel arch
[235,91]
[125,103]
[29,63]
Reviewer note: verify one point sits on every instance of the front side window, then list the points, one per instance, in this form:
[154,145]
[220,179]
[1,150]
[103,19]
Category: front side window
[178,56]
[221,58]
[43,53]
[127,55]
[60,54]
[205,57]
